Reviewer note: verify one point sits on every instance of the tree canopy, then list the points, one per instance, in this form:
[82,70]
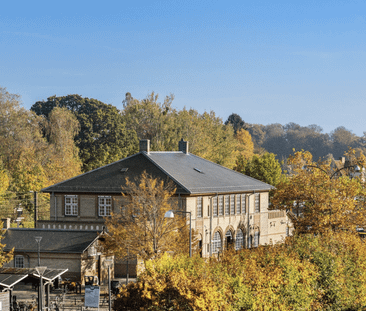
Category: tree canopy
[140,227]
[161,123]
[265,168]
[320,196]
[103,137]
[282,139]
[28,159]
[236,121]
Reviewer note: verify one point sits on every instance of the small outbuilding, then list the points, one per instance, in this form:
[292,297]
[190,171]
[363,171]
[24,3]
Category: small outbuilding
[80,252]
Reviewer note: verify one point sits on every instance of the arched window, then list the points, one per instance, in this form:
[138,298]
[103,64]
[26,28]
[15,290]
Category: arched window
[228,238]
[250,241]
[216,242]
[239,242]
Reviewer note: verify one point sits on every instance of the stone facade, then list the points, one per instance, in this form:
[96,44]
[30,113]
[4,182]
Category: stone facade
[238,212]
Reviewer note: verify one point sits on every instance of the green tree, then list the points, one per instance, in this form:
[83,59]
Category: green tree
[103,137]
[207,135]
[237,122]
[265,168]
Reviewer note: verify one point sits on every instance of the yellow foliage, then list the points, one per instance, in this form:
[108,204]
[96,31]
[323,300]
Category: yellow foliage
[141,228]
[320,196]
[245,144]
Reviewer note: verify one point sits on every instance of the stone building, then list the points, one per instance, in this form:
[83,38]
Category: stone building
[226,207]
[78,252]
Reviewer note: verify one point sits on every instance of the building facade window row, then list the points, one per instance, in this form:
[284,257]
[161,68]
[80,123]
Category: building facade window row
[71,207]
[227,205]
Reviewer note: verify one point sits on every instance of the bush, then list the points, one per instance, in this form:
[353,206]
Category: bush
[325,272]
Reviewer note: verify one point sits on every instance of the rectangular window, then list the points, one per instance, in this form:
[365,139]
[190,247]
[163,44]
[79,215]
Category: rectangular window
[199,206]
[227,201]
[71,205]
[104,205]
[221,205]
[214,206]
[257,203]
[238,205]
[243,203]
[19,261]
[232,204]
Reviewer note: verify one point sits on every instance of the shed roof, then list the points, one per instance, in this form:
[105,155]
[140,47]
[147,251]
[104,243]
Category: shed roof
[11,276]
[53,241]
[190,174]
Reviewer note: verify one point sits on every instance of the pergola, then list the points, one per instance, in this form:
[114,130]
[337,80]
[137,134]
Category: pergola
[9,277]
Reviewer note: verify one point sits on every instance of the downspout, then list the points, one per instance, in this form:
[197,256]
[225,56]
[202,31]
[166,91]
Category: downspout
[248,230]
[211,220]
[210,236]
[54,197]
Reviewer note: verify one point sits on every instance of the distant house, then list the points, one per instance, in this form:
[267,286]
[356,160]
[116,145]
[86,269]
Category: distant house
[227,207]
[75,250]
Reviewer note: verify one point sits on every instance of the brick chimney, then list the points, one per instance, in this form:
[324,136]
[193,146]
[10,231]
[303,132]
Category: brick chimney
[145,145]
[183,146]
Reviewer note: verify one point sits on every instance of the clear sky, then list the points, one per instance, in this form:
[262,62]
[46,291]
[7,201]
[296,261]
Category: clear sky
[268,61]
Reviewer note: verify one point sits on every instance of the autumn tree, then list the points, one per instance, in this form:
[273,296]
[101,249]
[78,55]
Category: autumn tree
[103,137]
[63,161]
[322,197]
[140,228]
[21,143]
[245,144]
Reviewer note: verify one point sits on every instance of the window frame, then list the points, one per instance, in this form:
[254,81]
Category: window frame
[257,203]
[227,205]
[243,202]
[239,240]
[238,204]
[16,261]
[199,205]
[221,205]
[73,205]
[104,206]
[256,239]
[232,204]
[216,243]
[215,211]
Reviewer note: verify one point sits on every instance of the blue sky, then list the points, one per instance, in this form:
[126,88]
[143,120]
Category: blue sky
[268,61]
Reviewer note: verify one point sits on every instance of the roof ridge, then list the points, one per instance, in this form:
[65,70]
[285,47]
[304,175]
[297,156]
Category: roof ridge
[165,171]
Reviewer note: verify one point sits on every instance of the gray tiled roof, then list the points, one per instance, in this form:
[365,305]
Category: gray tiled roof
[190,174]
[53,241]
